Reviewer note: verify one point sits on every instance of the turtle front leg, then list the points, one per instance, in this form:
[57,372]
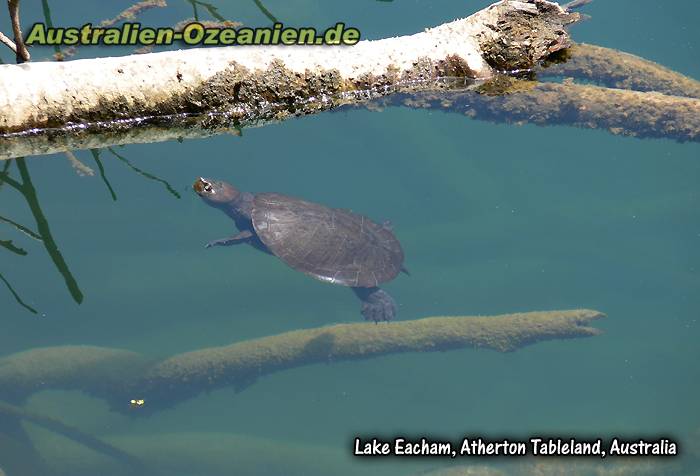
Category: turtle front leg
[377,304]
[243,237]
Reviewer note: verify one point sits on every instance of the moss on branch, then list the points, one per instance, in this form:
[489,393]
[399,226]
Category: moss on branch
[117,375]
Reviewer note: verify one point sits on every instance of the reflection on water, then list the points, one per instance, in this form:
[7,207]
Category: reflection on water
[25,187]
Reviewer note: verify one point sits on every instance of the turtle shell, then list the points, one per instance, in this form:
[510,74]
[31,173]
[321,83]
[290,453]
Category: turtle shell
[332,245]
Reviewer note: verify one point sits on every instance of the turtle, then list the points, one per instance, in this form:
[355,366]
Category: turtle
[333,245]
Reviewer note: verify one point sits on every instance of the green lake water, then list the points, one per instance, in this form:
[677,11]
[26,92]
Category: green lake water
[493,219]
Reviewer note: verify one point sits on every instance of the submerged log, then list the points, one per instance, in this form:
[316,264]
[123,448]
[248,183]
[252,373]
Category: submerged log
[210,454]
[94,369]
[17,452]
[619,70]
[19,414]
[118,376]
[619,111]
[265,82]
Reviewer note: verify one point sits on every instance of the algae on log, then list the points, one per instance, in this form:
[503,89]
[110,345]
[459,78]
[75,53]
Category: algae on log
[621,112]
[94,369]
[118,376]
[240,364]
[277,81]
[620,70]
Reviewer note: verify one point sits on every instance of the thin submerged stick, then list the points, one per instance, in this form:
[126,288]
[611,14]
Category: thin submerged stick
[576,4]
[18,455]
[72,433]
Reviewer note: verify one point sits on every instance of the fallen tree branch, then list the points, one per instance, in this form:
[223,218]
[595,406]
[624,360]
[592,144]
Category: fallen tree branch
[72,433]
[620,70]
[20,48]
[623,112]
[631,113]
[10,44]
[654,116]
[118,376]
[207,453]
[96,370]
[266,82]
[18,454]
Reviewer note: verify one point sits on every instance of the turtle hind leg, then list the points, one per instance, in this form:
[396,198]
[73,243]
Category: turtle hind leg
[377,304]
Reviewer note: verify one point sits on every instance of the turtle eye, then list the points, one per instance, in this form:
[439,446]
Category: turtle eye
[208,188]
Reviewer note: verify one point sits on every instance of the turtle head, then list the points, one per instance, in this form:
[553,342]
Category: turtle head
[215,192]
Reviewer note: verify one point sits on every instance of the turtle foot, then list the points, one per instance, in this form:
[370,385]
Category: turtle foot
[377,305]
[242,237]
[222,242]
